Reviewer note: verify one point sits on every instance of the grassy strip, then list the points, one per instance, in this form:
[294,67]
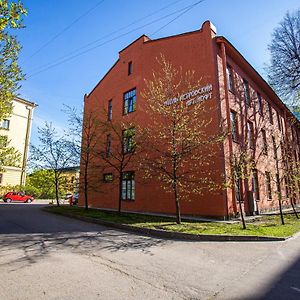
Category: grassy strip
[265,226]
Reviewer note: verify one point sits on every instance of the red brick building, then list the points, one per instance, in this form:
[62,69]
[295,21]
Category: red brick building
[246,106]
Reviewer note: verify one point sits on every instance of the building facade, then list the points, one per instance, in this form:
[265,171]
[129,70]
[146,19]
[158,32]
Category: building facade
[256,120]
[16,130]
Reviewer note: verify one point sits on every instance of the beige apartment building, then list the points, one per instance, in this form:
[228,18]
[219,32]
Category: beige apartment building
[17,129]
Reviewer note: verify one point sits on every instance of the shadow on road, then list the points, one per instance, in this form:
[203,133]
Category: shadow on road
[286,285]
[28,235]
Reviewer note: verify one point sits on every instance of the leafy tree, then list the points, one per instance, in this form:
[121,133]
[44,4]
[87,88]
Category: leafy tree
[40,183]
[177,148]
[284,71]
[11,13]
[8,155]
[53,153]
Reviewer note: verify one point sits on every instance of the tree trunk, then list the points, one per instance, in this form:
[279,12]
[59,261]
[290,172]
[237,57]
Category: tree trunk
[293,206]
[120,194]
[56,191]
[242,214]
[280,209]
[177,204]
[86,187]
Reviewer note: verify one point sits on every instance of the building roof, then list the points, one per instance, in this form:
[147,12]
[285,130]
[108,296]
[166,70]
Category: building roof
[26,102]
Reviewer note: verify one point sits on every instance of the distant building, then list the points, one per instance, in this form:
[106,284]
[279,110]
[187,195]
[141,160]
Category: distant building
[71,179]
[17,129]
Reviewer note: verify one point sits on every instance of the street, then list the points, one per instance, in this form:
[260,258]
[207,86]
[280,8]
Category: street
[45,256]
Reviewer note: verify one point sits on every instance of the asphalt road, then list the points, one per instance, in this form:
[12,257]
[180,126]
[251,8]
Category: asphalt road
[44,256]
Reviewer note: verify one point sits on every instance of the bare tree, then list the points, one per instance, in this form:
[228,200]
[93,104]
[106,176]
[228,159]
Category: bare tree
[118,149]
[84,132]
[284,71]
[52,153]
[178,149]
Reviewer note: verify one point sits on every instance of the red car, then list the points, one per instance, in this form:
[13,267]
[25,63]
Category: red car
[17,197]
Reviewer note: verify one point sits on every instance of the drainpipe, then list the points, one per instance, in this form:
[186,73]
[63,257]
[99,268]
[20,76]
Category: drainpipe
[26,146]
[224,63]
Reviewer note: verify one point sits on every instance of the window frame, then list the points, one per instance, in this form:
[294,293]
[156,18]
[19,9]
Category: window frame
[250,132]
[247,96]
[270,113]
[129,70]
[128,137]
[234,126]
[109,110]
[5,121]
[265,142]
[260,104]
[106,180]
[128,185]
[130,100]
[230,78]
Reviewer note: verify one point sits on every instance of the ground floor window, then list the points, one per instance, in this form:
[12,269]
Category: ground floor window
[128,186]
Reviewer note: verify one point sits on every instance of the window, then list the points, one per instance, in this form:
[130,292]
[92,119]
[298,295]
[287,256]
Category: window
[129,101]
[246,92]
[108,145]
[274,147]
[265,144]
[268,186]
[130,68]
[108,177]
[230,81]
[255,184]
[128,186]
[5,124]
[234,125]
[260,104]
[128,140]
[250,130]
[279,121]
[109,110]
[270,113]
[3,141]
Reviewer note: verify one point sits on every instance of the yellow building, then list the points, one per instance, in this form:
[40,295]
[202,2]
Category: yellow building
[17,130]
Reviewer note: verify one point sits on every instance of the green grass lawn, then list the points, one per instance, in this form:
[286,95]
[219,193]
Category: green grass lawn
[265,226]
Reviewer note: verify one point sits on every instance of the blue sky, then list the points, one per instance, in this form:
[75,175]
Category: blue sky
[56,29]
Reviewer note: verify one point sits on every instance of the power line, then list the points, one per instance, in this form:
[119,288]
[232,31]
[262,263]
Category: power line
[65,29]
[110,40]
[107,35]
[177,17]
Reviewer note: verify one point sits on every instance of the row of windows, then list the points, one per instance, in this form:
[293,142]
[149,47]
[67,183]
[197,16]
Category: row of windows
[128,184]
[247,97]
[129,104]
[250,135]
[268,186]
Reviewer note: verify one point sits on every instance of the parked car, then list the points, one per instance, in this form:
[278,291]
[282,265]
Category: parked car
[17,197]
[75,199]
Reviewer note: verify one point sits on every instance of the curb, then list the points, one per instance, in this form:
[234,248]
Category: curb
[172,234]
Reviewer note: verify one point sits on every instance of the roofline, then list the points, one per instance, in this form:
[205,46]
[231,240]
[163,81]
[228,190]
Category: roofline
[175,35]
[87,95]
[220,39]
[24,101]
[143,35]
